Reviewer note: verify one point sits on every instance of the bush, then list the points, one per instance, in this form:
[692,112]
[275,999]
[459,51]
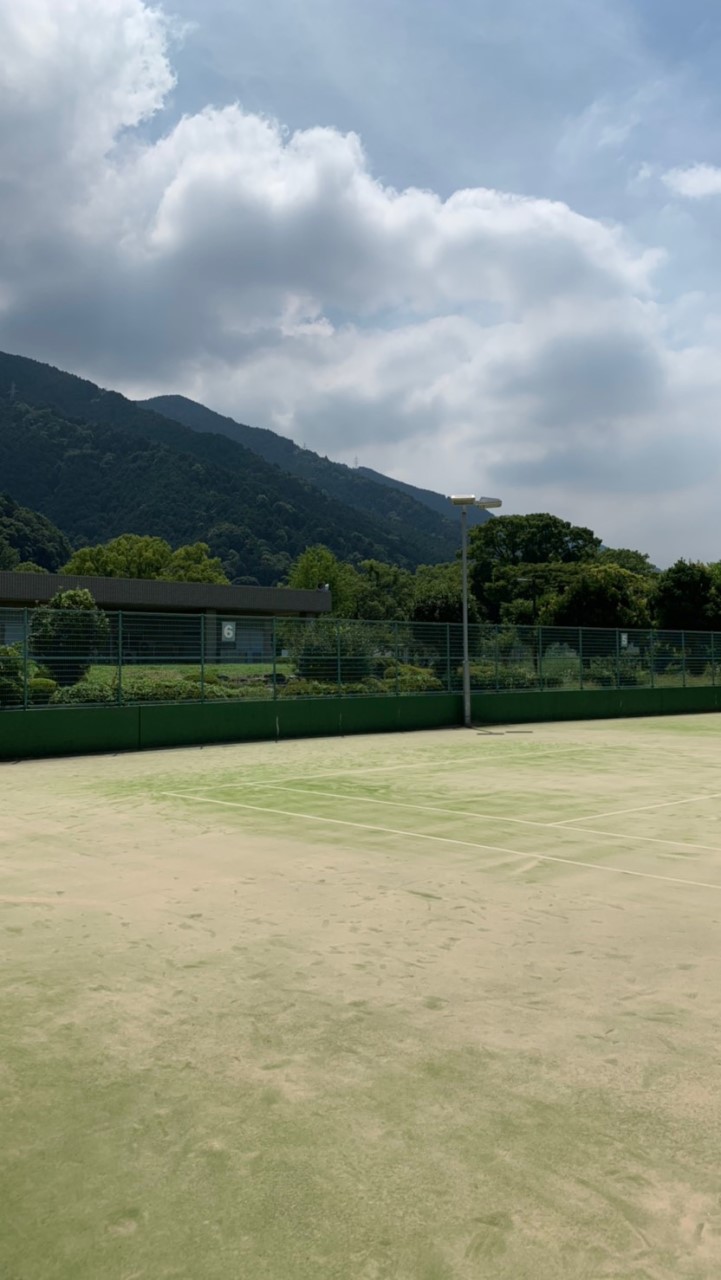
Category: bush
[68,635]
[485,675]
[12,675]
[40,690]
[517,677]
[144,688]
[560,666]
[308,689]
[410,679]
[602,671]
[318,647]
[86,692]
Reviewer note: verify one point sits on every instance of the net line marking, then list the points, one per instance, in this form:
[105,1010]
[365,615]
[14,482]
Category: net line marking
[486,817]
[466,844]
[394,768]
[643,808]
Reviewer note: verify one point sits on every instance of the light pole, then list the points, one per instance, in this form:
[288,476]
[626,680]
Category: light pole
[464,502]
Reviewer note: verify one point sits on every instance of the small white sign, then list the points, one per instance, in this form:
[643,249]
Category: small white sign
[624,639]
[228,633]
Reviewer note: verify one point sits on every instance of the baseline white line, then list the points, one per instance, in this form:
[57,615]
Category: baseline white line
[643,808]
[431,765]
[485,817]
[466,844]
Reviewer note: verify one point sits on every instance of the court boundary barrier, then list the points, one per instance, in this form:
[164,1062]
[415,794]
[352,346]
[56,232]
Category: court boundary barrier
[58,731]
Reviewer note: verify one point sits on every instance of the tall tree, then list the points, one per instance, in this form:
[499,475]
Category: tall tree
[533,539]
[30,536]
[625,558]
[316,567]
[134,556]
[602,595]
[439,595]
[385,592]
[686,598]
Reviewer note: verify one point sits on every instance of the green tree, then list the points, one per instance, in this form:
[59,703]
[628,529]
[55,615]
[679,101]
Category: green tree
[8,555]
[194,563]
[135,556]
[28,566]
[599,596]
[385,592]
[31,536]
[12,670]
[68,635]
[318,567]
[438,595]
[634,561]
[686,597]
[129,556]
[532,539]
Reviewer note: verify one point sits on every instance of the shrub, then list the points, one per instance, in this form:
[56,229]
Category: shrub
[485,675]
[12,675]
[319,646]
[86,692]
[410,679]
[144,688]
[560,666]
[517,677]
[40,690]
[602,671]
[68,635]
[308,689]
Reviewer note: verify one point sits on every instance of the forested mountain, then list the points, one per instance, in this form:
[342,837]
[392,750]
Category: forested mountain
[437,502]
[420,510]
[99,465]
[28,537]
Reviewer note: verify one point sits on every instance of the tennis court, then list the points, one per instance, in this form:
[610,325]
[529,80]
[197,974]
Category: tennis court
[433,1006]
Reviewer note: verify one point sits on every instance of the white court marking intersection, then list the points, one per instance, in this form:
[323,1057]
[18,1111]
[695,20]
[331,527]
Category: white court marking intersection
[468,844]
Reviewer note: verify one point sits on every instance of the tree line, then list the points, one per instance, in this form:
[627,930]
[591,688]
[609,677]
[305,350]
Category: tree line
[533,570]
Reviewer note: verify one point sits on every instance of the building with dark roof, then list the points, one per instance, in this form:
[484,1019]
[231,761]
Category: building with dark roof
[239,620]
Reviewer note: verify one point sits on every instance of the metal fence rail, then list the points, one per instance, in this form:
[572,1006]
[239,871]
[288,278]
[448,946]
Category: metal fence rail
[62,657]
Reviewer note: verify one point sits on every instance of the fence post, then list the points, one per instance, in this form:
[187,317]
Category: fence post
[540,658]
[120,657]
[713,659]
[652,657]
[202,656]
[448,656]
[683,657]
[25,658]
[398,660]
[580,658]
[338,659]
[274,643]
[618,658]
[497,646]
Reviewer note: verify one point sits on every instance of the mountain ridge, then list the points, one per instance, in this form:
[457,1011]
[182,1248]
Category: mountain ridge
[359,487]
[62,438]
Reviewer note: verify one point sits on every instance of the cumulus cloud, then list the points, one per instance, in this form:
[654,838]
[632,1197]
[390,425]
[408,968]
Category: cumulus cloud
[695,182]
[271,274]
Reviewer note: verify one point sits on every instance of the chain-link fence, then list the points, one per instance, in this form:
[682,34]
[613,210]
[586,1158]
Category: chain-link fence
[62,657]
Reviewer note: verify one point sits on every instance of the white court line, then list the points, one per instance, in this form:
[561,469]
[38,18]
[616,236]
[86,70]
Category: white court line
[466,844]
[485,817]
[431,765]
[642,808]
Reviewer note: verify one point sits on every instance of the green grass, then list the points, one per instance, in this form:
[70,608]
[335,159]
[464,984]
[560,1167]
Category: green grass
[340,1028]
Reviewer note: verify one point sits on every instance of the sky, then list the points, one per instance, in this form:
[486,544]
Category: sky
[471,245]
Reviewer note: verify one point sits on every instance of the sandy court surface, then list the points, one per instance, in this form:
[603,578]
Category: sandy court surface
[420,1007]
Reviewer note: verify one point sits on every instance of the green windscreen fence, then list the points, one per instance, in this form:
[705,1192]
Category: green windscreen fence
[71,657]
